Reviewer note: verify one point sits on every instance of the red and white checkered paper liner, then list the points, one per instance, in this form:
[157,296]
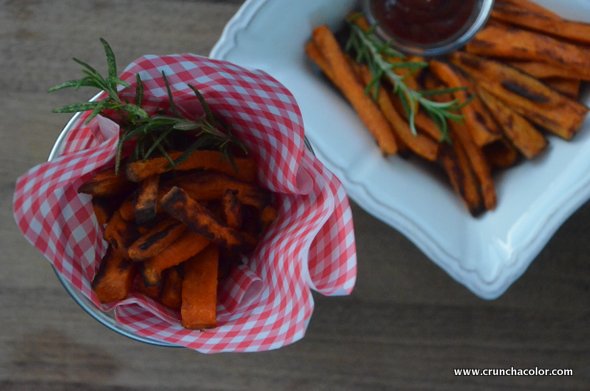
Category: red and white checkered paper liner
[266,303]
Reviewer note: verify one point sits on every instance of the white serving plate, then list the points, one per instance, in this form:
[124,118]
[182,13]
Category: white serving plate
[486,254]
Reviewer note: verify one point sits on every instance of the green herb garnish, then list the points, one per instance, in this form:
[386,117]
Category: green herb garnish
[370,49]
[151,134]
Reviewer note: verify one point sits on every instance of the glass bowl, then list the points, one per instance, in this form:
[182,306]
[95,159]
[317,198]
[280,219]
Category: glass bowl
[474,24]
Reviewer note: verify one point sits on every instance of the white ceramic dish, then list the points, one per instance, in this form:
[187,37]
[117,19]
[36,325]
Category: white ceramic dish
[486,254]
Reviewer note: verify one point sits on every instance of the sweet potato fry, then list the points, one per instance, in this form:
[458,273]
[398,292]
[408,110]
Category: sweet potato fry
[232,209]
[568,87]
[529,141]
[458,169]
[542,70]
[314,54]
[146,204]
[119,232]
[171,295]
[513,14]
[187,246]
[244,168]
[199,219]
[480,166]
[419,144]
[208,186]
[158,238]
[529,6]
[480,124]
[106,184]
[348,84]
[502,41]
[475,185]
[114,278]
[525,94]
[199,290]
[501,154]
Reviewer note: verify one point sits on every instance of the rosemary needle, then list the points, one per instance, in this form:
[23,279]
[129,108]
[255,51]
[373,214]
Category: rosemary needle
[149,133]
[368,48]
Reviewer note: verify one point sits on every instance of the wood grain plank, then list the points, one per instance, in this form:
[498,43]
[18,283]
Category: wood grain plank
[406,325]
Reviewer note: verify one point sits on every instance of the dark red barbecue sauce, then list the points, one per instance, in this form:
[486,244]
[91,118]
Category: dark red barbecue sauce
[423,22]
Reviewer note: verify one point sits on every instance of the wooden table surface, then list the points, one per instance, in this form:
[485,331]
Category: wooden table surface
[406,325]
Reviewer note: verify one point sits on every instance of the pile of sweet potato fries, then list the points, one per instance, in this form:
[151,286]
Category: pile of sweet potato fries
[174,231]
[521,76]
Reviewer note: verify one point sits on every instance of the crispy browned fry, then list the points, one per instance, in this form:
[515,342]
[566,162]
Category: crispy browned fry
[146,205]
[542,70]
[529,141]
[501,154]
[497,40]
[156,240]
[243,168]
[232,210]
[348,84]
[208,186]
[171,295]
[199,290]
[448,161]
[528,6]
[199,219]
[458,169]
[481,126]
[419,144]
[119,232]
[568,87]
[187,246]
[480,166]
[114,278]
[106,184]
[558,78]
[525,94]
[516,15]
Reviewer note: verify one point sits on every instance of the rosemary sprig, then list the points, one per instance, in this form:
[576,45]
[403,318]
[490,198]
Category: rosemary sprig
[371,50]
[150,133]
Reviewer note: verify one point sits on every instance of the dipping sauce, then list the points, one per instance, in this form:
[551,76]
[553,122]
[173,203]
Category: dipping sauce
[424,22]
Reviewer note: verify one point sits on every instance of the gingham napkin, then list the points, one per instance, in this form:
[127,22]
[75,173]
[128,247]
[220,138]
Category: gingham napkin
[266,303]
